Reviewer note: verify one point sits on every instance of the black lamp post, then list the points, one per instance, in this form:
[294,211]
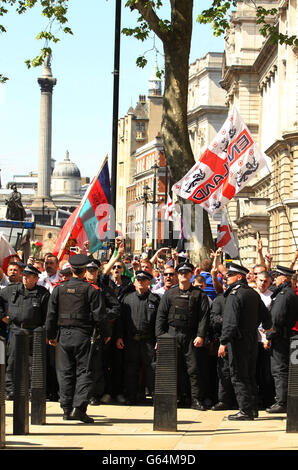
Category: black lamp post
[145,197]
[115,105]
[155,168]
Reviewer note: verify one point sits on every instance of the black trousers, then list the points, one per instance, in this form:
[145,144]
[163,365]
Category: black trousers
[139,356]
[117,370]
[279,360]
[75,381]
[265,380]
[188,364]
[11,358]
[226,392]
[242,354]
[96,371]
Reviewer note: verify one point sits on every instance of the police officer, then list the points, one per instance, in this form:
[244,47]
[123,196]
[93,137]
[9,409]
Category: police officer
[284,314]
[243,313]
[75,308]
[102,361]
[25,305]
[226,395]
[184,313]
[136,335]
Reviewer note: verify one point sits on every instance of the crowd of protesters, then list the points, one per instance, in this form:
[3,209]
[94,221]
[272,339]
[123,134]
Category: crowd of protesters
[136,292]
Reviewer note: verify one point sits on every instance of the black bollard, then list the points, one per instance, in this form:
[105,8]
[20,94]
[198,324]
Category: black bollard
[21,383]
[165,394]
[38,377]
[2,392]
[292,403]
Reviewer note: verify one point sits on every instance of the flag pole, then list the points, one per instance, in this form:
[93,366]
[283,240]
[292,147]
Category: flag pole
[80,207]
[230,223]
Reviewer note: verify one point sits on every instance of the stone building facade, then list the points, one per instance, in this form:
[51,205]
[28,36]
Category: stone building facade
[138,127]
[261,80]
[146,215]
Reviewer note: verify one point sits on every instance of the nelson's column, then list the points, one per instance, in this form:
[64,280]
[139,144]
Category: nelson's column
[42,206]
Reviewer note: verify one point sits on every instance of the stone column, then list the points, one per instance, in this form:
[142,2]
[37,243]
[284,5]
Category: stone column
[46,82]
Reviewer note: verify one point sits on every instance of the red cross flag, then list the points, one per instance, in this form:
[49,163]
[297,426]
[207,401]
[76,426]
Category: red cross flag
[169,209]
[225,237]
[227,165]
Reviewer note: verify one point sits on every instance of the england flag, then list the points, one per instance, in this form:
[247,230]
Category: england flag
[225,237]
[231,160]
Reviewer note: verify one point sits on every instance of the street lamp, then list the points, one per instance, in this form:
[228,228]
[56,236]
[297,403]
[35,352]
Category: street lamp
[145,197]
[155,168]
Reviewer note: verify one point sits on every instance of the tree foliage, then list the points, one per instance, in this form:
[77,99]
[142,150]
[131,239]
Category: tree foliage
[55,11]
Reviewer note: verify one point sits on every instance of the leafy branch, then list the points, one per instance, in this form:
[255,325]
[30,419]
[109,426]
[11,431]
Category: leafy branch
[54,10]
[218,13]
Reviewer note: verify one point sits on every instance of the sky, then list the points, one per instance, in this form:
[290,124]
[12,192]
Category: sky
[83,96]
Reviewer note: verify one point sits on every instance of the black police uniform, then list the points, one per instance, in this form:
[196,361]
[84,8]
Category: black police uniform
[137,328]
[284,314]
[117,355]
[243,313]
[75,309]
[101,363]
[185,314]
[225,392]
[27,309]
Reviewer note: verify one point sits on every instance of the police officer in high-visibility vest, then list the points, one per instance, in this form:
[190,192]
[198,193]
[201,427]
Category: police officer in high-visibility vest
[184,312]
[75,309]
[284,314]
[243,312]
[24,305]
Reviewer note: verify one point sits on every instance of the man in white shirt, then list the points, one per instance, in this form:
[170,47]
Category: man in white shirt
[50,277]
[170,279]
[264,378]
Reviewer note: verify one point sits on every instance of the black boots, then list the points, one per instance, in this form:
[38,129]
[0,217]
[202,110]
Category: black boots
[277,408]
[242,415]
[197,405]
[221,406]
[80,415]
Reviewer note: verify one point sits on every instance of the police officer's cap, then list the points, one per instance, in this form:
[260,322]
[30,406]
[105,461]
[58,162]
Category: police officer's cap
[66,269]
[185,266]
[237,269]
[140,275]
[79,261]
[30,269]
[94,264]
[283,271]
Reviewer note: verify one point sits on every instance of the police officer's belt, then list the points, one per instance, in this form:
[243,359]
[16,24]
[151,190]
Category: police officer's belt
[24,325]
[140,336]
[72,316]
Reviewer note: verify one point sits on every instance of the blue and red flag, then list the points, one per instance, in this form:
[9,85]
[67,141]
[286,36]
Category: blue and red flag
[90,219]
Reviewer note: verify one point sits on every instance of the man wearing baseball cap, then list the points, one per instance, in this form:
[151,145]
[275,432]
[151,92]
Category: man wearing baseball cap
[243,313]
[284,314]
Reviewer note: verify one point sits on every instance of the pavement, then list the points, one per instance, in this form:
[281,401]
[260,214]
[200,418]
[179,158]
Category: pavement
[130,428]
